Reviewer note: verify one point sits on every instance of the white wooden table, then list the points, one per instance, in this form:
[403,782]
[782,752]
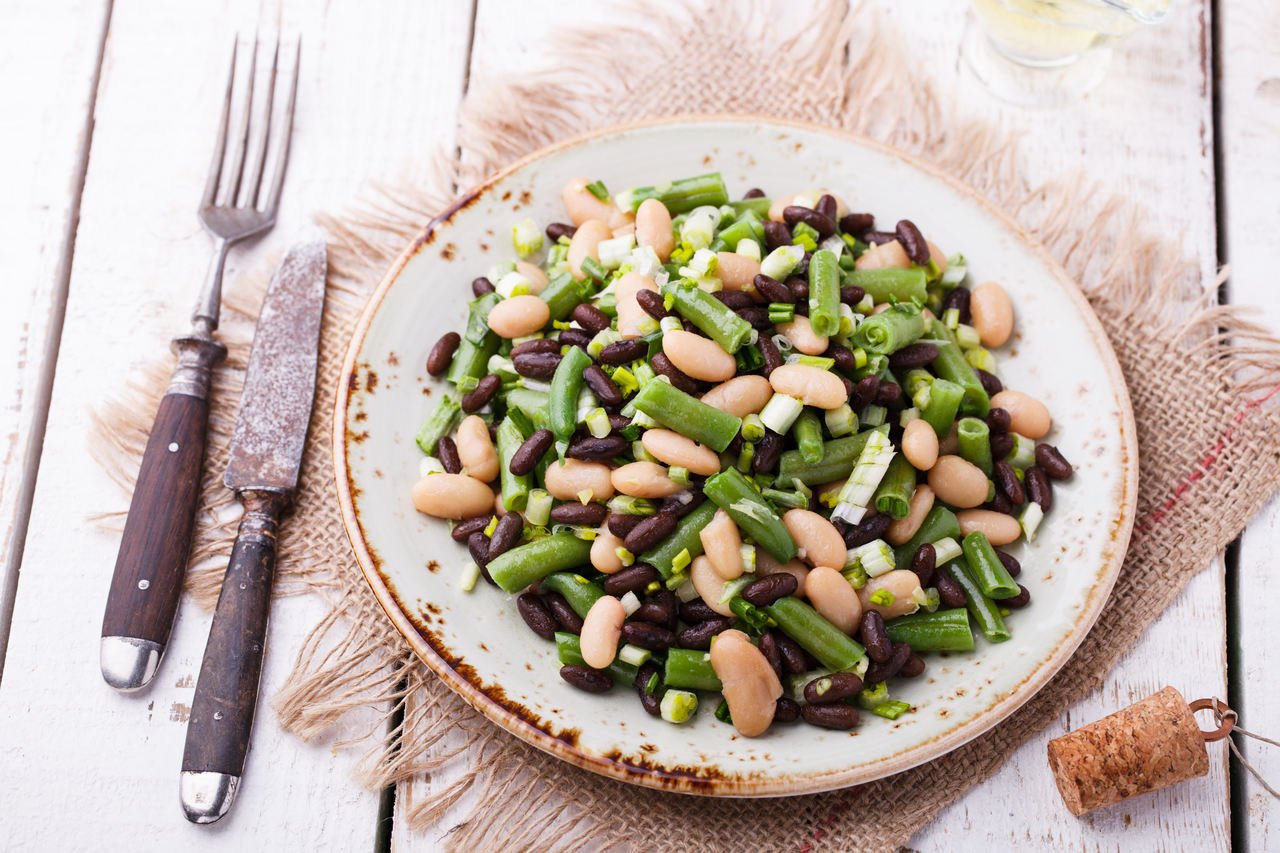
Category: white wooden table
[108,112]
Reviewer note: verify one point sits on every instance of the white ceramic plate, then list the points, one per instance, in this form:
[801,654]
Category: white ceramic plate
[477,642]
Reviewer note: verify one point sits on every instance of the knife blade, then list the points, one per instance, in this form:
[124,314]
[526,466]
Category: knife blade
[263,468]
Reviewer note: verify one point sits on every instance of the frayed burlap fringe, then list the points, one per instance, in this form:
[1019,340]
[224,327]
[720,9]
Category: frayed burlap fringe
[1198,373]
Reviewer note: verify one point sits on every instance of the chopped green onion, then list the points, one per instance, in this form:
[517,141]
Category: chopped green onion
[598,189]
[957,269]
[602,339]
[812,361]
[598,423]
[856,576]
[906,416]
[680,561]
[841,421]
[752,428]
[593,268]
[634,655]
[627,505]
[805,236]
[670,324]
[866,305]
[873,415]
[685,590]
[876,700]
[780,413]
[470,574]
[1023,454]
[748,553]
[513,284]
[781,312]
[678,475]
[967,337]
[1029,520]
[981,358]
[951,317]
[624,556]
[615,251]
[678,706]
[946,549]
[491,526]
[882,597]
[748,248]
[781,261]
[698,230]
[430,465]
[867,472]
[745,455]
[732,588]
[875,558]
[538,511]
[790,500]
[526,237]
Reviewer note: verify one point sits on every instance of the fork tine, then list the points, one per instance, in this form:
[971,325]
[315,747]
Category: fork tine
[249,184]
[220,147]
[286,131]
[246,114]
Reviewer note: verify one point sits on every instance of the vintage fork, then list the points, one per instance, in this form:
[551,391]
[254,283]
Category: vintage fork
[238,202]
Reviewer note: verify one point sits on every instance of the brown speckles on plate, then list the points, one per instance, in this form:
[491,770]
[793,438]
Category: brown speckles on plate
[449,252]
[433,566]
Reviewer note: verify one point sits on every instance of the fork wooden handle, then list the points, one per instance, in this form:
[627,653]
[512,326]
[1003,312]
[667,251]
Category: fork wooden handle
[154,549]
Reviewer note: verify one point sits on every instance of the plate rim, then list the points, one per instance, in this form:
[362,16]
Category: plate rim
[651,776]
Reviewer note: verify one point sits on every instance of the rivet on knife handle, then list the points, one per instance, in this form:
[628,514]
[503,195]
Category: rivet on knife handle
[153,552]
[226,695]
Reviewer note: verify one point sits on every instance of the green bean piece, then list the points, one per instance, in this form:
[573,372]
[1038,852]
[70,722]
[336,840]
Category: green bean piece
[525,564]
[990,574]
[515,487]
[984,611]
[748,226]
[952,366]
[889,331]
[974,437]
[687,415]
[478,317]
[569,653]
[532,403]
[439,424]
[471,361]
[941,631]
[710,315]
[944,401]
[808,435]
[683,195]
[562,294]
[758,206]
[733,493]
[690,669]
[756,619]
[824,293]
[562,406]
[893,495]
[579,592]
[686,537]
[938,524]
[832,647]
[838,458]
[887,285]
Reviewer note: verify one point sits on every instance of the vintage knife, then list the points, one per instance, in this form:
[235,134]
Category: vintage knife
[266,454]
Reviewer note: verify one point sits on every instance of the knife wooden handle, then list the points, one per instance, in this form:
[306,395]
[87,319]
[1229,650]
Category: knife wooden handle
[156,543]
[227,690]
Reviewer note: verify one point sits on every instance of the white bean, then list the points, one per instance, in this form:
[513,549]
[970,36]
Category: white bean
[653,228]
[902,529]
[901,584]
[708,583]
[889,255]
[920,444]
[740,396]
[698,357]
[631,317]
[565,481]
[751,688]
[1000,529]
[452,496]
[604,553]
[674,449]
[736,271]
[800,332]
[644,480]
[818,538]
[722,543]
[584,244]
[475,449]
[992,312]
[814,386]
[601,630]
[537,278]
[834,597]
[767,565]
[958,482]
[519,316]
[1027,415]
[581,205]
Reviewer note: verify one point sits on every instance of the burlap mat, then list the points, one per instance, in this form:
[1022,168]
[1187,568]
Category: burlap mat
[1198,375]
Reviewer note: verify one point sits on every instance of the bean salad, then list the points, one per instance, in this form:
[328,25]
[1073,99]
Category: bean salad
[750,452]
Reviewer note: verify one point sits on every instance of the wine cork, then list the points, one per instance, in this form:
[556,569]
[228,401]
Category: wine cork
[1145,747]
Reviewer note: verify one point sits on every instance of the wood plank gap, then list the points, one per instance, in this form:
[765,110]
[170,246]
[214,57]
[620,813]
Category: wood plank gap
[466,78]
[49,360]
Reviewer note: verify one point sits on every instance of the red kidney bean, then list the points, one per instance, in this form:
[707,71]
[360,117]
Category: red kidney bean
[864,393]
[597,448]
[925,563]
[888,394]
[478,546]
[766,590]
[1038,487]
[856,223]
[659,608]
[623,352]
[481,286]
[506,535]
[591,318]
[653,304]
[1019,601]
[648,636]
[462,531]
[698,635]
[1008,483]
[536,615]
[950,592]
[734,299]
[820,222]
[990,382]
[529,454]
[842,356]
[913,668]
[480,396]
[768,452]
[633,578]
[535,345]
[652,702]
[757,316]
[575,338]
[1001,444]
[875,238]
[776,234]
[1001,503]
[826,205]
[770,355]
[442,353]
[556,230]
[829,689]
[799,291]
[840,716]
[874,635]
[579,514]
[650,532]
[914,355]
[769,648]
[912,241]
[999,420]
[696,610]
[772,289]
[602,386]
[566,617]
[794,659]
[1011,564]
[869,529]
[537,365]
[878,671]
[447,453]
[1053,462]
[754,192]
[620,524]
[661,364]
[681,503]
[959,300]
[586,678]
[851,295]
[787,710]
